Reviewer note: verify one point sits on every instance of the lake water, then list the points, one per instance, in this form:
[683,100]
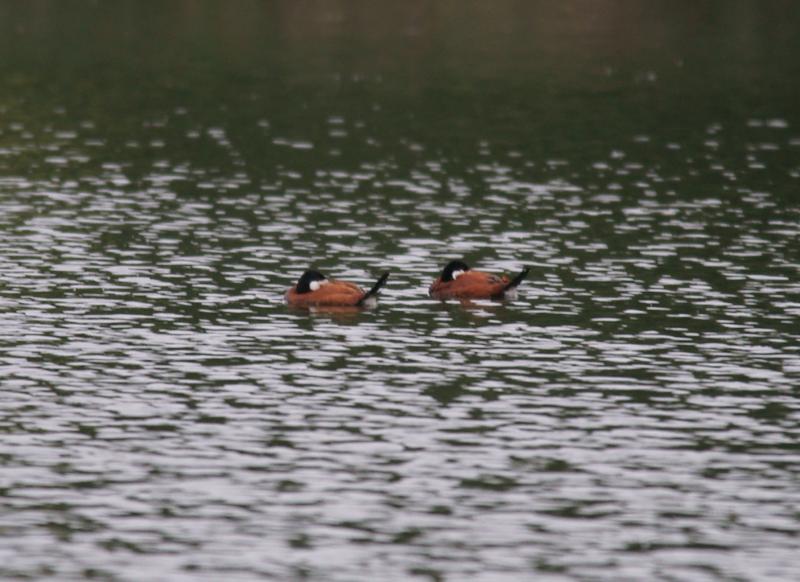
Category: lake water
[166,174]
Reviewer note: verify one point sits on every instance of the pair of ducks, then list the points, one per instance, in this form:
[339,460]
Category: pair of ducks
[457,281]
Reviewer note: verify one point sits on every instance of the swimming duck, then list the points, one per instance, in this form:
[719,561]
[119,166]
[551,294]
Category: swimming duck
[458,281]
[315,289]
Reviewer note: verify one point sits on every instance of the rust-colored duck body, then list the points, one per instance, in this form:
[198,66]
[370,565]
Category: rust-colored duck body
[458,281]
[313,289]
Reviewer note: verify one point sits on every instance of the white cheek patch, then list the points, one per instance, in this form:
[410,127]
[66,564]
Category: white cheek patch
[314,285]
[457,274]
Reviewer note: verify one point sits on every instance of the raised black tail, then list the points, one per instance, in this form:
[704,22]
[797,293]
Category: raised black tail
[515,281]
[375,288]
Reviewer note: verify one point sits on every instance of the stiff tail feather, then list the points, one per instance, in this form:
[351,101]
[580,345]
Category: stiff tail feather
[514,282]
[375,288]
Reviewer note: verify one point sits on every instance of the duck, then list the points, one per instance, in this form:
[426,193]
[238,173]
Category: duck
[313,289]
[459,281]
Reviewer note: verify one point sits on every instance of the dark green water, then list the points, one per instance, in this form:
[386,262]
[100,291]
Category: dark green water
[168,170]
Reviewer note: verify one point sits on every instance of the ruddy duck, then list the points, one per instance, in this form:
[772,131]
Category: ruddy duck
[314,289]
[458,281]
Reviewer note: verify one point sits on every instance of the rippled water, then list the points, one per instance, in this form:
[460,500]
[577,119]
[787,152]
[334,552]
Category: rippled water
[633,415]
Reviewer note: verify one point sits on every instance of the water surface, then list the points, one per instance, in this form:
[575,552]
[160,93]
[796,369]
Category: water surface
[166,175]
